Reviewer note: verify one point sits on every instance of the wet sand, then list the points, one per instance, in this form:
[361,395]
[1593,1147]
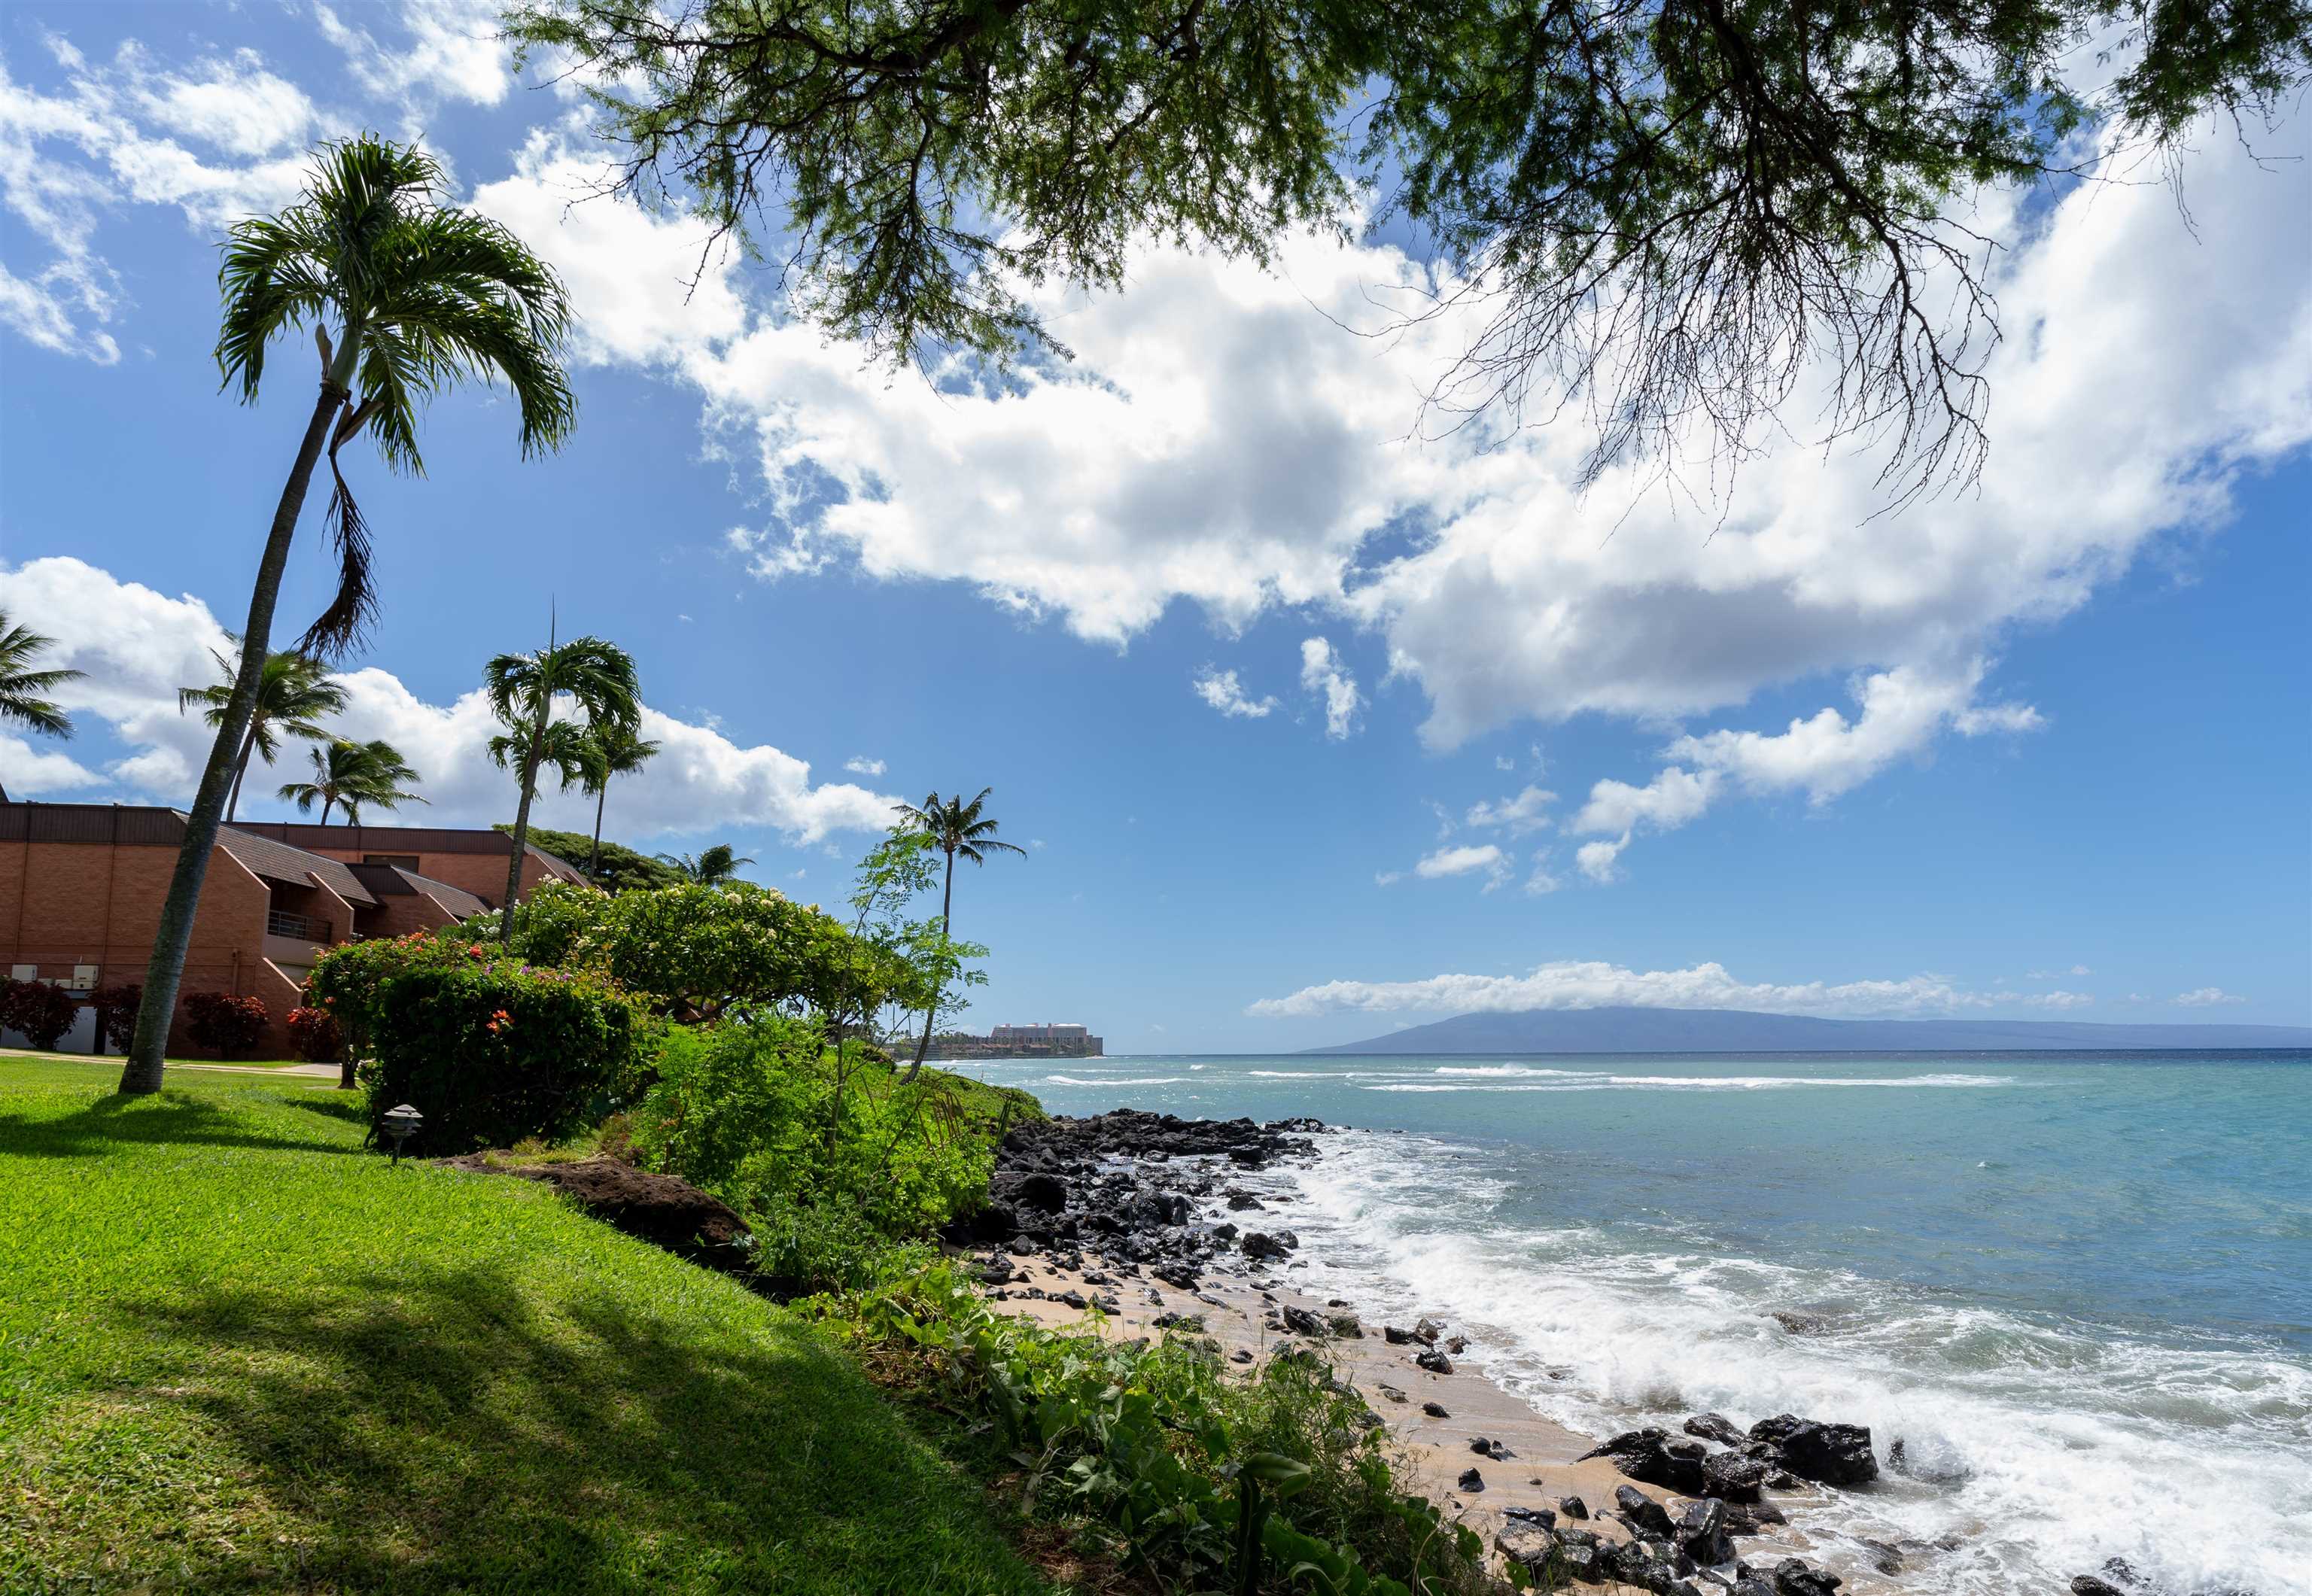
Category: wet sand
[1435,1452]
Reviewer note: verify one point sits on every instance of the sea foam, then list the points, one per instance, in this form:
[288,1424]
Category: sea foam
[2046,1447]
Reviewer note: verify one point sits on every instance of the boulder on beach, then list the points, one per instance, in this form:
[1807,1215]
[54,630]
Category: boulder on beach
[1733,1476]
[1471,1480]
[1434,1360]
[1794,1576]
[1713,1427]
[1652,1456]
[1701,1533]
[1648,1518]
[1829,1453]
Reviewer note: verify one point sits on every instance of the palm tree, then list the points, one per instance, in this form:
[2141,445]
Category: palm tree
[294,691]
[955,828]
[422,297]
[349,774]
[712,868]
[21,685]
[611,750]
[600,678]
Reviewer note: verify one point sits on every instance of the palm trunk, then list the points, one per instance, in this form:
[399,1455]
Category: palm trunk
[595,859]
[240,771]
[521,819]
[174,934]
[947,911]
[327,801]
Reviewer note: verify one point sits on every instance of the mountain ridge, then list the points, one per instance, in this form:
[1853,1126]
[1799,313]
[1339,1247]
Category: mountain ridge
[1641,1029]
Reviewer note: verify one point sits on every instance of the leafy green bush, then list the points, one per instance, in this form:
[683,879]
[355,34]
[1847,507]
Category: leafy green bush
[1154,1446]
[790,1131]
[496,1052]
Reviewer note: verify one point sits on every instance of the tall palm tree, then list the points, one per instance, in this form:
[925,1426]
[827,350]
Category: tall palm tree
[349,774]
[294,691]
[599,677]
[21,685]
[712,868]
[611,750]
[955,828]
[422,297]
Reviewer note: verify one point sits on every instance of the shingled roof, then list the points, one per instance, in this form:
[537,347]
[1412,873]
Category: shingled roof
[279,861]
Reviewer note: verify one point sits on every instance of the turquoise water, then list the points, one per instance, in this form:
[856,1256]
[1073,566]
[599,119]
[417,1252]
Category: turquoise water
[2078,1288]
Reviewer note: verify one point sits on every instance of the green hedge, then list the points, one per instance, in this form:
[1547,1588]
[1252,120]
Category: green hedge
[493,1054]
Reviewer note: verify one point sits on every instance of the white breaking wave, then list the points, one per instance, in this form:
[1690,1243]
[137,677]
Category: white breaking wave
[2043,1448]
[1112,1080]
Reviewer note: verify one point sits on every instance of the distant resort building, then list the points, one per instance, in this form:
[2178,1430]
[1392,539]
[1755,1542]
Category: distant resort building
[1019,1041]
[81,886]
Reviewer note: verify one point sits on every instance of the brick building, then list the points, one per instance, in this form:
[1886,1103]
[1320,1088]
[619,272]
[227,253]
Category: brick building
[80,888]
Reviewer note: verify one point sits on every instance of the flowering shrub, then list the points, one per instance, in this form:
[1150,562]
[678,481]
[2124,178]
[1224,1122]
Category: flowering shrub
[317,1035]
[348,982]
[41,1012]
[229,1023]
[492,1052]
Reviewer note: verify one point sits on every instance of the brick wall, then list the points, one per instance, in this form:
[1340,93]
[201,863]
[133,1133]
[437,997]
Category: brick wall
[63,904]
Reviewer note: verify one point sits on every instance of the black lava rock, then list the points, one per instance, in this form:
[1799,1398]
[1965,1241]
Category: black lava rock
[1647,1518]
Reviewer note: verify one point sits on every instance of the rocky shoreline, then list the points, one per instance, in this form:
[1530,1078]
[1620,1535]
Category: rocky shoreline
[1166,1225]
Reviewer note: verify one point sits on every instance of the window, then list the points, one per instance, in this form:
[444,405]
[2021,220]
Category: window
[401,861]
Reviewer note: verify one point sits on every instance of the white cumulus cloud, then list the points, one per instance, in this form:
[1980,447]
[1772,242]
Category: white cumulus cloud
[2205,997]
[139,646]
[1323,675]
[1223,692]
[1594,984]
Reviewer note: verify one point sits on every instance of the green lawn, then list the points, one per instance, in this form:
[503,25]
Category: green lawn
[114,1061]
[239,1353]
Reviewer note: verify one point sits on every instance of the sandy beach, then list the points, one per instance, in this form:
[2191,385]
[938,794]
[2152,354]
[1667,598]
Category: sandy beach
[1435,1420]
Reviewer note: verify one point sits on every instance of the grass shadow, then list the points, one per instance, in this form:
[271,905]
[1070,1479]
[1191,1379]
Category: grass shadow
[169,1116]
[428,1429]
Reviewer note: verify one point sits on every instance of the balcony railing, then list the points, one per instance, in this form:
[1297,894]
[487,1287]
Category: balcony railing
[301,928]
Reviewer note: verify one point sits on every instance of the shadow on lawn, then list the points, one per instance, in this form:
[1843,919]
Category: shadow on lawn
[167,1116]
[429,1430]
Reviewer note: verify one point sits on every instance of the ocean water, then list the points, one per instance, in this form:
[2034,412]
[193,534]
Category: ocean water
[2077,1288]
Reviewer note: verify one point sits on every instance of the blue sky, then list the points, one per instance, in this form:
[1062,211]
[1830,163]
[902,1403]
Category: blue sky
[2039,749]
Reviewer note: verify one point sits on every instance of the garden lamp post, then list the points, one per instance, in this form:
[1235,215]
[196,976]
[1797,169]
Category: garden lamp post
[401,1124]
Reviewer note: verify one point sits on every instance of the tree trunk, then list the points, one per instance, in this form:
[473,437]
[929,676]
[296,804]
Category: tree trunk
[174,934]
[240,769]
[595,859]
[947,912]
[326,799]
[521,819]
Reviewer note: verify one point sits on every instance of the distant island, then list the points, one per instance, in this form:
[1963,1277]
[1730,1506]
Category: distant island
[1630,1030]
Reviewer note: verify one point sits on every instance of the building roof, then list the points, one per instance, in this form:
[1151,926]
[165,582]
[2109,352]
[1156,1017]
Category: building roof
[281,850]
[279,861]
[456,902]
[391,881]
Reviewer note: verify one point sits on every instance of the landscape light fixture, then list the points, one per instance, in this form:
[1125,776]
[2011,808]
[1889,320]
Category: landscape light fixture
[401,1124]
